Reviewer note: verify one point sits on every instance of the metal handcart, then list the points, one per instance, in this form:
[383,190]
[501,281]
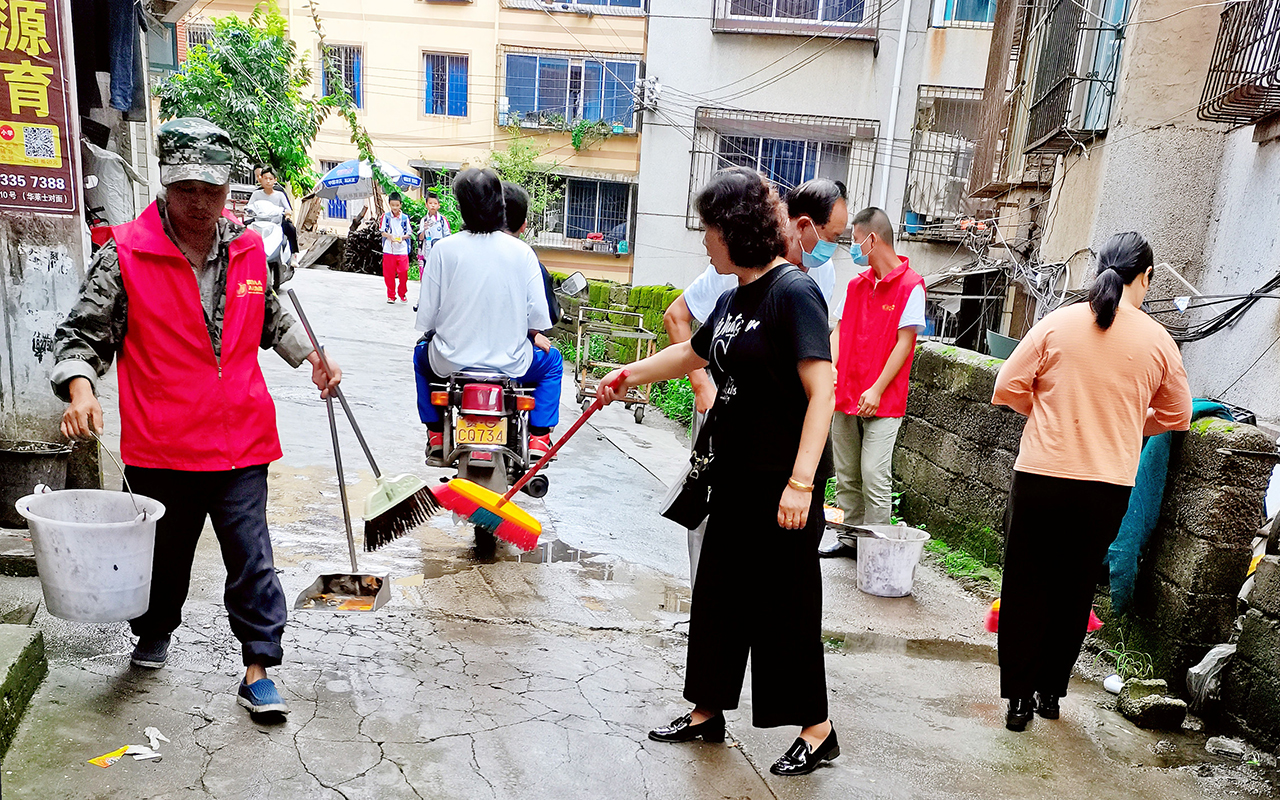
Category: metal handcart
[585,368]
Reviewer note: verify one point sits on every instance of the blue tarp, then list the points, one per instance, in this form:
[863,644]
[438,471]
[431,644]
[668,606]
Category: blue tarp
[1144,508]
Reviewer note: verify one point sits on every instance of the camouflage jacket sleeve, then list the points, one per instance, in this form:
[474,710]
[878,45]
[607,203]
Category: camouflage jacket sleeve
[87,341]
[284,334]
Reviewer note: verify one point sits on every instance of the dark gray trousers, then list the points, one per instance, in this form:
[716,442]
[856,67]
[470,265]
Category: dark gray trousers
[236,501]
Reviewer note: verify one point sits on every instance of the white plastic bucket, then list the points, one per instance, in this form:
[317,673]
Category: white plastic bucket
[93,552]
[887,567]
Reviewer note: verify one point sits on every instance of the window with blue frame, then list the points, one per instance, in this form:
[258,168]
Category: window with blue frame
[538,87]
[446,84]
[335,208]
[952,13]
[348,61]
[597,207]
[614,3]
[814,10]
[786,162]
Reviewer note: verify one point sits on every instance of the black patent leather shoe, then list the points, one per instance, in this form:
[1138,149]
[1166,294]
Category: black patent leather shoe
[838,550]
[1021,709]
[683,730]
[802,759]
[1047,706]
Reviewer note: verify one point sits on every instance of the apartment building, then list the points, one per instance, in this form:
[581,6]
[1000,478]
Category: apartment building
[884,95]
[440,84]
[1157,116]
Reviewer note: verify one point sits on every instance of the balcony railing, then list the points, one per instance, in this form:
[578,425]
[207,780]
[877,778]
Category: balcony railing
[1076,57]
[1243,85]
[946,129]
[846,19]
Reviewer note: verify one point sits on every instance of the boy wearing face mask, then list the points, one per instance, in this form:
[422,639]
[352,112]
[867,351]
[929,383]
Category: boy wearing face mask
[872,346]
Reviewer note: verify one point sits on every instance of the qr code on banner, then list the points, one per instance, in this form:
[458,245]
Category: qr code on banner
[38,143]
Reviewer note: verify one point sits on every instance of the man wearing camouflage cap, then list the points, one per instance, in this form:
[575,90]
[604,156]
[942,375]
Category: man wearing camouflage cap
[182,295]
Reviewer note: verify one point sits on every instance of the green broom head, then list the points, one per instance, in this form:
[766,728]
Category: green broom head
[396,507]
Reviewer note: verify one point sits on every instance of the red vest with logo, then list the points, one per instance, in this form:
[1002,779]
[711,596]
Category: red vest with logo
[182,406]
[868,332]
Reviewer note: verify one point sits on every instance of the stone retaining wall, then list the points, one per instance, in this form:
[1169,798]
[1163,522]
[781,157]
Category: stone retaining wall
[954,458]
[1251,683]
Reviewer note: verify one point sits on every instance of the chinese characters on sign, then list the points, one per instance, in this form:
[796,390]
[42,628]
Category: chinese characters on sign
[36,163]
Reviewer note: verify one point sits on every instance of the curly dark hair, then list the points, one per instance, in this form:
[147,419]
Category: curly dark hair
[745,208]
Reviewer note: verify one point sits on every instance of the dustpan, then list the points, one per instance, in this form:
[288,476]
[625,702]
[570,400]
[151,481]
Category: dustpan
[344,591]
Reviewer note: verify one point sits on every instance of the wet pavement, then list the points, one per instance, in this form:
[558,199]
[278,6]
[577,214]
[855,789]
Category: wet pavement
[538,675]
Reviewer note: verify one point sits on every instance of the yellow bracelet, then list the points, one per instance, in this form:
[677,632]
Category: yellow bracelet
[798,486]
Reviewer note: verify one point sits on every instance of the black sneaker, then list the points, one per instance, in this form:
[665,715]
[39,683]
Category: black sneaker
[151,653]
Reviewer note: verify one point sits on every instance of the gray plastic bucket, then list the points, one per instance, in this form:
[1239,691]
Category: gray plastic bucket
[93,551]
[887,567]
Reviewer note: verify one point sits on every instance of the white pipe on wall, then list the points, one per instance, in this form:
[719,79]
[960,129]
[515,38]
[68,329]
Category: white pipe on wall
[896,95]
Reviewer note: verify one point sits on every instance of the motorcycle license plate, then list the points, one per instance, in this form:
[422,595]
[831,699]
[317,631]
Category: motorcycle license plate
[481,430]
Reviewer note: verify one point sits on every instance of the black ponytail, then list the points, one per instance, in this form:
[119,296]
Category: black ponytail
[1124,257]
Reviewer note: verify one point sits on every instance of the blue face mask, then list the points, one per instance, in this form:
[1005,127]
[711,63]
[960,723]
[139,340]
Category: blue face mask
[822,253]
[860,258]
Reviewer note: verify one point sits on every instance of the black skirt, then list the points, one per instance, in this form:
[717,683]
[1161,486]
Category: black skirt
[758,594]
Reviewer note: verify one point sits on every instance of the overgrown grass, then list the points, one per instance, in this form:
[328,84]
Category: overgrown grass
[961,564]
[1128,663]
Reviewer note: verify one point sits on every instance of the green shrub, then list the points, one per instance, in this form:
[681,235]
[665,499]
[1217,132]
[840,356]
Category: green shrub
[674,399]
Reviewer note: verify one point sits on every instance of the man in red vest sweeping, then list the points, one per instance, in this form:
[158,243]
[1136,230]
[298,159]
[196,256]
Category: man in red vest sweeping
[183,297]
[873,345]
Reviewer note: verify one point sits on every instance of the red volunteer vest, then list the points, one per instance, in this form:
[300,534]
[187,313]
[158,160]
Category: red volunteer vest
[181,407]
[868,332]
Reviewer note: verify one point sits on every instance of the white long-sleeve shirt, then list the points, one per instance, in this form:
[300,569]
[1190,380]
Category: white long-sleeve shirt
[482,293]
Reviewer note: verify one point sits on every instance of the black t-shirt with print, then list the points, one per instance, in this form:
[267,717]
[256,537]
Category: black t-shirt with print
[754,342]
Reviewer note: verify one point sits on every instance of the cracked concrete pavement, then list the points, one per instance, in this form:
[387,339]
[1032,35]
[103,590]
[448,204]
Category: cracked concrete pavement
[538,675]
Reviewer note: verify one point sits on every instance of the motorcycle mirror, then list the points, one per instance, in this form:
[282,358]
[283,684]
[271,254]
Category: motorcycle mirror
[574,285]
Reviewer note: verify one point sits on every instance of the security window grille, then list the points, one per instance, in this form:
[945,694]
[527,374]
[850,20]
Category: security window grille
[946,130]
[335,208]
[198,34]
[556,90]
[788,148]
[614,3]
[348,61]
[1241,87]
[446,84]
[838,18]
[597,207]
[1075,49]
[963,13]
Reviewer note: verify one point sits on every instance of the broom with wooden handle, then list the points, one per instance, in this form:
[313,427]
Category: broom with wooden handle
[399,504]
[496,512]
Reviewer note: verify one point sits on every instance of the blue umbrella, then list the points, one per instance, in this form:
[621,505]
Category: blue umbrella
[353,179]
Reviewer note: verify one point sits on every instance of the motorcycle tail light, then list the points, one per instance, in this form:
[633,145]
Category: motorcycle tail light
[482,398]
[525,403]
[439,398]
[480,455]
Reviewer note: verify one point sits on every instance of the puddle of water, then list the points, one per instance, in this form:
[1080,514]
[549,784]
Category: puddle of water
[931,649]
[552,551]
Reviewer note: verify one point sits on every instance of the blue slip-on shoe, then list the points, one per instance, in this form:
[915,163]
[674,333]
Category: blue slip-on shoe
[261,697]
[151,653]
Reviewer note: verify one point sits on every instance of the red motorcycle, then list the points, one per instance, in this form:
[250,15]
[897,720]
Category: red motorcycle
[486,435]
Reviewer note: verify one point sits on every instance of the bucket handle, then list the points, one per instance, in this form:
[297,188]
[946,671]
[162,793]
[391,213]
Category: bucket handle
[142,514]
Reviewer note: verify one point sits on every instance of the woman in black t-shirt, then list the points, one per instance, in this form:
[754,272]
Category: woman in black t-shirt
[759,588]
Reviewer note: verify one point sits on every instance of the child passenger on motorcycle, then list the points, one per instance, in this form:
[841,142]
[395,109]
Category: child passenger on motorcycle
[482,304]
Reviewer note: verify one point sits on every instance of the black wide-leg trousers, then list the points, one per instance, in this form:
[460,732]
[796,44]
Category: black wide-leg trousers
[758,595]
[1057,534]
[236,501]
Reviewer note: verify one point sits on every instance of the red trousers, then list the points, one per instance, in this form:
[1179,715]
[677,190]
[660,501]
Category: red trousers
[393,267]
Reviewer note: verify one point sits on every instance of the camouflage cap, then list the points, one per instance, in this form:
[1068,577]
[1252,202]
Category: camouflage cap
[194,149]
